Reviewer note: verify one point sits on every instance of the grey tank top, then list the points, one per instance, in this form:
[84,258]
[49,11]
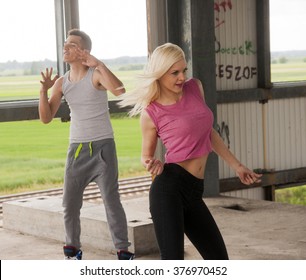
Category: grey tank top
[89,111]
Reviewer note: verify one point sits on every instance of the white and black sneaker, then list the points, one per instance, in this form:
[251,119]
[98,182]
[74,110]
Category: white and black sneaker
[72,253]
[125,255]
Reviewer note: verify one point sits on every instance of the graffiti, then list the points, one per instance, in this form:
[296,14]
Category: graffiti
[244,49]
[247,47]
[223,131]
[237,73]
[223,5]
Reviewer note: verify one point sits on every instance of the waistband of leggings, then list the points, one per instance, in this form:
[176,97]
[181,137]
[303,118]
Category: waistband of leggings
[183,172]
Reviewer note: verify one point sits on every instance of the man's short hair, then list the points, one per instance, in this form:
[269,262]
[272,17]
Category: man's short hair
[85,38]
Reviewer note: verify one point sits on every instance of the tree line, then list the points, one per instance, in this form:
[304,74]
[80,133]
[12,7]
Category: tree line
[13,68]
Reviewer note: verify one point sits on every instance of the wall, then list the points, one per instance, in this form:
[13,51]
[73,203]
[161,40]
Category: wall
[267,135]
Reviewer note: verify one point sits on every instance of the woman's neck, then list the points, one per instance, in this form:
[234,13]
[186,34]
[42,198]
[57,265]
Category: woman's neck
[169,98]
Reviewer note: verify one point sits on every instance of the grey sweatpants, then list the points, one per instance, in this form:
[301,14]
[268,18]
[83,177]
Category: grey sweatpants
[93,162]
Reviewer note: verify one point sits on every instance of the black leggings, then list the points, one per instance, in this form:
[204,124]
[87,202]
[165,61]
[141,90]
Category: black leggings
[177,207]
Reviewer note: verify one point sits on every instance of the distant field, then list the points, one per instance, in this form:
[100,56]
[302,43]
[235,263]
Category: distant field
[27,87]
[288,72]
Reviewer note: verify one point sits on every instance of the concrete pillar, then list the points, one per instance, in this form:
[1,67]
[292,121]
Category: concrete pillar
[157,35]
[203,66]
[66,18]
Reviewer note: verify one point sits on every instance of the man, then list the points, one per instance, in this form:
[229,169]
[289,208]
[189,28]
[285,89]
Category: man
[92,153]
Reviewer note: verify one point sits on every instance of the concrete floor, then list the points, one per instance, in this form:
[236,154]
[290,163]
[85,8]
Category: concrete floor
[252,230]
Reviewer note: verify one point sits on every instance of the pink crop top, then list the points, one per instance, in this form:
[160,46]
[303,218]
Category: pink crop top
[184,127]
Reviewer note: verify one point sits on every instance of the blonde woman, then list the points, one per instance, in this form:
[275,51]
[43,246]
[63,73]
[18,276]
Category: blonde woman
[173,109]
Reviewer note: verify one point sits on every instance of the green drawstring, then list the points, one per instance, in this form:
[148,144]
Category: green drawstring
[90,148]
[78,150]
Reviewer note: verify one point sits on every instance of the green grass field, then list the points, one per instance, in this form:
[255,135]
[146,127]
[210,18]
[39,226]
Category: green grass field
[33,154]
[294,195]
[288,72]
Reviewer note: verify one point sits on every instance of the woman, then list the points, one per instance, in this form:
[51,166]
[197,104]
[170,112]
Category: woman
[173,109]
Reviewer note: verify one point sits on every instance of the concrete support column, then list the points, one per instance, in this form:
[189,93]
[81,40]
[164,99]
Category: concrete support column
[157,35]
[203,66]
[263,44]
[66,18]
[157,23]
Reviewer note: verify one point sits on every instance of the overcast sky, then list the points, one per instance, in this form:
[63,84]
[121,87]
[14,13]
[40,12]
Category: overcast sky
[117,27]
[287,25]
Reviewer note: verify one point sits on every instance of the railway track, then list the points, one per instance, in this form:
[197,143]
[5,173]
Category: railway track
[129,186]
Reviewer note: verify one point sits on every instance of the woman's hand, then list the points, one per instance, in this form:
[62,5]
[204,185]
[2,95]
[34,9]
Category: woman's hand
[247,176]
[154,166]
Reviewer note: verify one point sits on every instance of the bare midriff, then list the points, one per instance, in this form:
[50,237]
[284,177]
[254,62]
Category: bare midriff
[195,166]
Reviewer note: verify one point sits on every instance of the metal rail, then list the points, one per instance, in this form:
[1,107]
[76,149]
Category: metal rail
[127,186]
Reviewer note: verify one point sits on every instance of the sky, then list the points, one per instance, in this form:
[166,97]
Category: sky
[117,27]
[287,25]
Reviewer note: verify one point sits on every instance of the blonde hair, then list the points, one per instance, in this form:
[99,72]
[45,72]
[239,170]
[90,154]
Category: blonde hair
[147,88]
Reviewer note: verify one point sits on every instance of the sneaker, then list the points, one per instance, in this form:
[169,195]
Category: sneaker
[71,253]
[125,255]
